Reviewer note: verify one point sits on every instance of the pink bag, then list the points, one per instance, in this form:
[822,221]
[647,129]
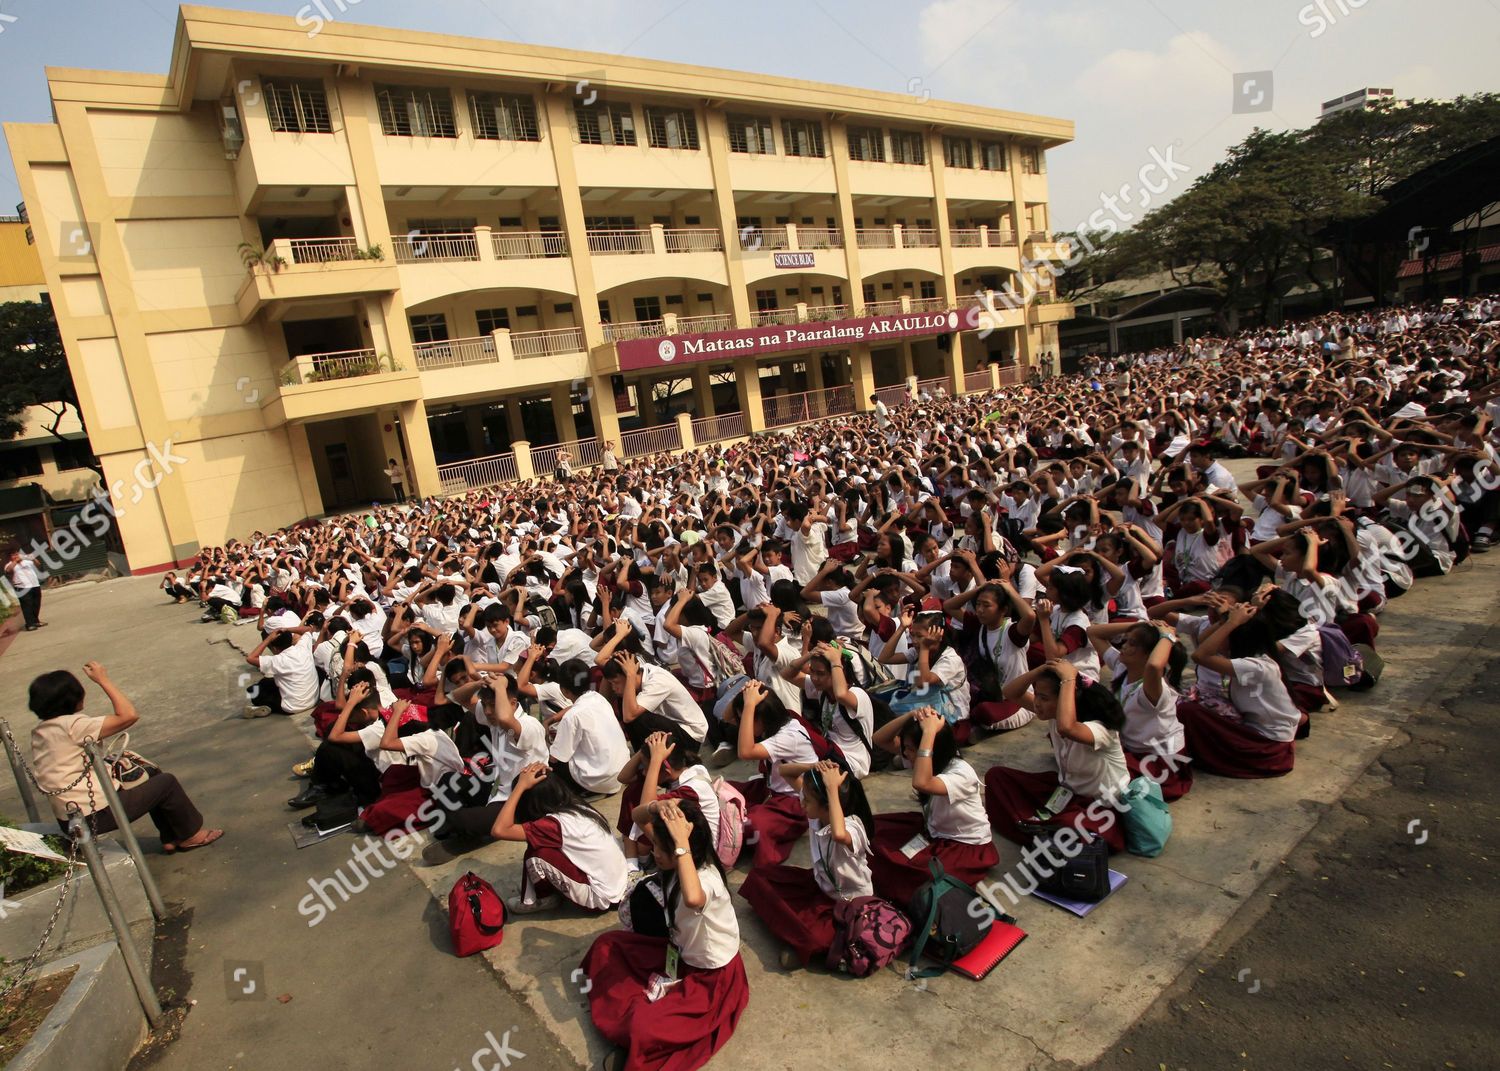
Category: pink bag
[868,933]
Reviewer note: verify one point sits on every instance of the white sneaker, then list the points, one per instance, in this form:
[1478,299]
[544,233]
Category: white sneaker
[515,906]
[722,756]
[253,711]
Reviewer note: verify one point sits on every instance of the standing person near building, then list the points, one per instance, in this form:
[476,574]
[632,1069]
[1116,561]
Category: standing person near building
[397,475]
[20,570]
[611,462]
[882,412]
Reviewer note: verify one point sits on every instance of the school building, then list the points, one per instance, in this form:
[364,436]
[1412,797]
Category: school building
[311,247]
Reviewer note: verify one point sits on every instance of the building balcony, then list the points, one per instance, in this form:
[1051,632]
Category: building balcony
[766,252]
[317,385]
[883,249]
[503,360]
[1047,309]
[435,266]
[311,269]
[622,257]
[984,247]
[1040,245]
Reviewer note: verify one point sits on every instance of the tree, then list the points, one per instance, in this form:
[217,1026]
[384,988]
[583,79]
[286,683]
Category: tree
[34,370]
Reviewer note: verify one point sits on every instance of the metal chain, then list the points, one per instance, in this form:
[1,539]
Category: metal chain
[24,980]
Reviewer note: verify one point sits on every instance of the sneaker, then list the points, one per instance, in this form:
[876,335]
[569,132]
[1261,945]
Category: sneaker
[302,769]
[1481,543]
[253,711]
[550,902]
[722,756]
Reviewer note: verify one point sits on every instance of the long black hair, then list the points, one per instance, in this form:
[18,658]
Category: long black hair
[852,799]
[702,847]
[553,795]
[944,747]
[1093,702]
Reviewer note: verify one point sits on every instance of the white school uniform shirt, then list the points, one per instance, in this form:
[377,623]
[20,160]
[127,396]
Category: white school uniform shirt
[511,756]
[23,577]
[695,656]
[809,552]
[595,852]
[1256,690]
[1007,656]
[1149,727]
[1096,771]
[664,694]
[573,643]
[1085,658]
[959,815]
[768,671]
[842,733]
[434,754]
[720,603]
[952,674]
[369,739]
[295,674]
[843,613]
[842,871]
[790,743]
[708,937]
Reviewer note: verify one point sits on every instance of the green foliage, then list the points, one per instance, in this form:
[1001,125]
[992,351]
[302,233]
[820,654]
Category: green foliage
[33,366]
[19,872]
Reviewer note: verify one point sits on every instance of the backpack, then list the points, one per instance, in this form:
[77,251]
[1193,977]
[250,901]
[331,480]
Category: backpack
[476,915]
[1343,666]
[541,609]
[823,748]
[731,831]
[868,933]
[945,928]
[726,660]
[1084,874]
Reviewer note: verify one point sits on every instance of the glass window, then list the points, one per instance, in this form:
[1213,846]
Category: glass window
[802,137]
[604,124]
[992,155]
[504,117]
[416,112]
[429,327]
[671,128]
[72,454]
[867,143]
[958,152]
[492,320]
[647,308]
[751,134]
[908,148]
[297,107]
[20,462]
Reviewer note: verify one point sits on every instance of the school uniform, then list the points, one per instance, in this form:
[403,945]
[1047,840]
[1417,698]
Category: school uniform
[1254,738]
[694,783]
[1151,732]
[1005,649]
[954,830]
[851,730]
[591,743]
[696,1016]
[1090,771]
[573,855]
[773,806]
[797,903]
[407,782]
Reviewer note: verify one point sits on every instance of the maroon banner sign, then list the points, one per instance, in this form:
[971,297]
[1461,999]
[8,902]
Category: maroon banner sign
[640,353]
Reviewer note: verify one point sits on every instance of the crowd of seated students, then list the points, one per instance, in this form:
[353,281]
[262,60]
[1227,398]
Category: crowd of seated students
[544,657]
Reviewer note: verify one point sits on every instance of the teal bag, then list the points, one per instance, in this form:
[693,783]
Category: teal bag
[907,698]
[1148,823]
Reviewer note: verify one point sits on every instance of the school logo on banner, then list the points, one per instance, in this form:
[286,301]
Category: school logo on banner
[667,351]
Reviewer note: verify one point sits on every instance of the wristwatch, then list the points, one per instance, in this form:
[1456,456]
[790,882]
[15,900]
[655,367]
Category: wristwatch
[679,852]
[924,752]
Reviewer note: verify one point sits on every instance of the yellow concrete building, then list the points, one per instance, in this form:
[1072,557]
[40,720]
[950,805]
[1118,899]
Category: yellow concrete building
[304,251]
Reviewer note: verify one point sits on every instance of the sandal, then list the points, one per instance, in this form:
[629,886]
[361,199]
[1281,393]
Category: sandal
[208,838]
[168,849]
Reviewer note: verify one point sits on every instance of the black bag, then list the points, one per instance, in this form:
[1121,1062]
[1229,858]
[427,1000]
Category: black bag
[1085,873]
[943,926]
[333,813]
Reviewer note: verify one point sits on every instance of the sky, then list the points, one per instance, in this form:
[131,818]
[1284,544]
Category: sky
[1146,82]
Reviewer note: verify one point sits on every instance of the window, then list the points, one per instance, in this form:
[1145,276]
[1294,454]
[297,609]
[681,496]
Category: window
[671,128]
[958,152]
[72,454]
[992,155]
[765,299]
[296,107]
[704,299]
[525,312]
[429,327]
[929,288]
[563,307]
[751,134]
[1031,160]
[512,221]
[609,223]
[492,320]
[674,299]
[604,124]
[802,137]
[416,112]
[868,290]
[604,317]
[867,143]
[503,117]
[20,462]
[647,308]
[907,148]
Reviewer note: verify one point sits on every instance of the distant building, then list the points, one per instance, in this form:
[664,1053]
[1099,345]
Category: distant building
[1360,100]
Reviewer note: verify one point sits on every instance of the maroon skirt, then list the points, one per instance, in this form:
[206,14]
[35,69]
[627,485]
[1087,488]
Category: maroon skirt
[683,1029]
[401,797]
[897,878]
[798,913]
[776,820]
[992,712]
[1012,797]
[1174,783]
[1229,749]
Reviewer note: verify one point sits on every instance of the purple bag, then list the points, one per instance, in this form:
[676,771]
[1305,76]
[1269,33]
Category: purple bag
[1343,666]
[868,933]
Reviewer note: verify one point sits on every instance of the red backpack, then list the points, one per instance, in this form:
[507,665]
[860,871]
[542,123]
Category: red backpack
[476,915]
[868,933]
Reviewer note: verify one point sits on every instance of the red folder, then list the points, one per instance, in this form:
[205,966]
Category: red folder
[997,944]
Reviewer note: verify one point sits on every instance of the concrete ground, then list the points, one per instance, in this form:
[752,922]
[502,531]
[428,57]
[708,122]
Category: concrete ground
[1065,997]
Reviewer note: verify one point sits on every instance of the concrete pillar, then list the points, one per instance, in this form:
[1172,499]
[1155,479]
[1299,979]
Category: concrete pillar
[815,372]
[1177,328]
[474,427]
[703,390]
[862,375]
[524,468]
[421,462]
[1114,339]
[562,412]
[908,362]
[307,473]
[747,386]
[602,405]
[994,376]
[685,430]
[483,238]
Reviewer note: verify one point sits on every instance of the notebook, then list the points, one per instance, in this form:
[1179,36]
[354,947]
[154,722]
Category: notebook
[1082,907]
[1000,942]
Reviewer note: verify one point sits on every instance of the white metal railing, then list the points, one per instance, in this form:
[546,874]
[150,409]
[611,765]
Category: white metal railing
[757,239]
[713,429]
[766,317]
[323,250]
[977,381]
[899,394]
[1010,375]
[819,238]
[478,472]
[929,304]
[875,238]
[455,353]
[694,240]
[812,405]
[529,245]
[658,440]
[966,238]
[1002,238]
[919,238]
[882,308]
[425,248]
[715,321]
[322,367]
[611,242]
[634,329]
[936,386]
[828,312]
[582,454]
[549,343]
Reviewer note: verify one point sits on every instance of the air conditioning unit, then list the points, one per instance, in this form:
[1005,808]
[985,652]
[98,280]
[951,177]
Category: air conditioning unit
[232,131]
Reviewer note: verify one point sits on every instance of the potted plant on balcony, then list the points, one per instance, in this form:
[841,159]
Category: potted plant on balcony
[374,252]
[254,258]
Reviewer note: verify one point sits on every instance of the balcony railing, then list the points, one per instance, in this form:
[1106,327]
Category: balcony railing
[550,343]
[717,321]
[875,238]
[1004,238]
[582,454]
[819,238]
[324,250]
[929,304]
[767,317]
[623,332]
[714,429]
[695,240]
[882,308]
[892,396]
[429,248]
[606,243]
[658,440]
[828,312]
[757,239]
[919,238]
[937,386]
[977,381]
[1039,236]
[530,245]
[455,353]
[813,405]
[324,367]
[966,238]
[480,472]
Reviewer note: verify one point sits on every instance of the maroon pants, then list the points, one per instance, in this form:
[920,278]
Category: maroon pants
[897,878]
[1175,781]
